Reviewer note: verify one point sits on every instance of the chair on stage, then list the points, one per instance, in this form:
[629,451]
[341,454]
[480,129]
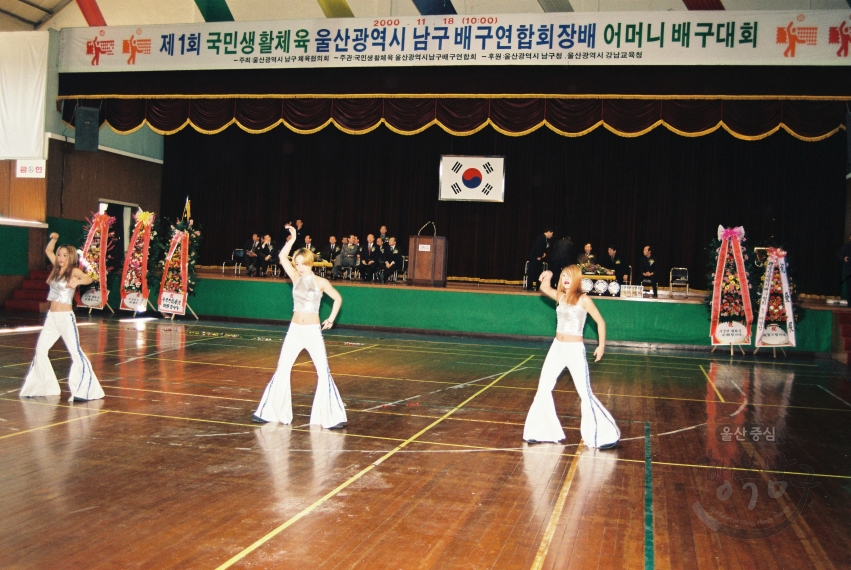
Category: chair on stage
[679,279]
[394,276]
[526,280]
[236,259]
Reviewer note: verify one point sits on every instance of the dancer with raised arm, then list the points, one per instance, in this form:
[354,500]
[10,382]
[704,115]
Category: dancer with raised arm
[304,333]
[60,322]
[597,426]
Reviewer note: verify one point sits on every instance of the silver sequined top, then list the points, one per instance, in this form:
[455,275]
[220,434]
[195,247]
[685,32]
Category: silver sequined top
[59,292]
[306,295]
[571,319]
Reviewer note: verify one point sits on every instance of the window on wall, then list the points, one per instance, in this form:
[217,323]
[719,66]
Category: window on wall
[123,226]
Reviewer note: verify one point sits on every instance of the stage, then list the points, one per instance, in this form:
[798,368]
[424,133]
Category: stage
[480,309]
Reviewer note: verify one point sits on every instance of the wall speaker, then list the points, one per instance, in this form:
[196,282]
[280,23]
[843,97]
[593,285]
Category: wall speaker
[86,123]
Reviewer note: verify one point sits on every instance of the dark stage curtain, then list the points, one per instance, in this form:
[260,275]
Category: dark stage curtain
[662,189]
[745,119]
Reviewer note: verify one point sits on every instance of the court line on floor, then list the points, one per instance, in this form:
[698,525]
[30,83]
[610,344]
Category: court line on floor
[177,346]
[442,444]
[49,425]
[835,396]
[649,543]
[711,383]
[263,540]
[338,354]
[544,547]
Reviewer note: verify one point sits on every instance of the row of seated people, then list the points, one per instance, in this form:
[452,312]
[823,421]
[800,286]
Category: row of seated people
[377,259]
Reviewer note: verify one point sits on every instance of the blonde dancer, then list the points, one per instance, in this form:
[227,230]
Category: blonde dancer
[597,426]
[60,322]
[304,333]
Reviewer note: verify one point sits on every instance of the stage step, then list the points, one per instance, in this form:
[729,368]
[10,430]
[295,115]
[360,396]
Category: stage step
[29,295]
[32,296]
[26,306]
[35,285]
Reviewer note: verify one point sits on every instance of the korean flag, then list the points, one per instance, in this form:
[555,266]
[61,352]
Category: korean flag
[476,178]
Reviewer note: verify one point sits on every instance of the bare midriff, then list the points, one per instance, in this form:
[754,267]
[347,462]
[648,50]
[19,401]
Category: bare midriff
[562,337]
[57,307]
[305,318]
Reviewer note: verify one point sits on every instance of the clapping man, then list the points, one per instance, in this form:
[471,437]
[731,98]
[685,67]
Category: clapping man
[266,254]
[249,255]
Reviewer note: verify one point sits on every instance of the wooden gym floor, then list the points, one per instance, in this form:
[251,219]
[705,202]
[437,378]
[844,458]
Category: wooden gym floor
[168,471]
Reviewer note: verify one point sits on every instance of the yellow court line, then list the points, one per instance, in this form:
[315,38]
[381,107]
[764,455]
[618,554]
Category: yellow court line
[49,425]
[263,540]
[544,547]
[711,383]
[425,442]
[340,354]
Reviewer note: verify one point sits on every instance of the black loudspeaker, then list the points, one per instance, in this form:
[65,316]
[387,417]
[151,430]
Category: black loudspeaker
[86,123]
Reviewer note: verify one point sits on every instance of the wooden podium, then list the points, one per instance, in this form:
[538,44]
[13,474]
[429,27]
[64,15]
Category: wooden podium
[427,256]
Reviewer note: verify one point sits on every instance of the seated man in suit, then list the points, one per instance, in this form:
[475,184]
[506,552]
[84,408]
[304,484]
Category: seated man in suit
[266,256]
[348,258]
[331,250]
[612,262]
[308,244]
[249,256]
[382,233]
[648,271]
[392,259]
[369,258]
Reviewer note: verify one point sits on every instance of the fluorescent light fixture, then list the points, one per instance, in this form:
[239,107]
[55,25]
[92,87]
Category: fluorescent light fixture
[4,221]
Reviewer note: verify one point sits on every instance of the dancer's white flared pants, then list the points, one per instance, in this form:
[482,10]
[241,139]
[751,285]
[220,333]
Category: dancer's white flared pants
[41,379]
[597,426]
[277,402]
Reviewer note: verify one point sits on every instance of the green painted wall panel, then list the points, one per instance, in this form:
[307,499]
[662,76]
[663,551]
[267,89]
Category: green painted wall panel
[490,313]
[15,258]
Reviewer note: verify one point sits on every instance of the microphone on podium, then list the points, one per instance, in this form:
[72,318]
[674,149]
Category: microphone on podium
[426,225]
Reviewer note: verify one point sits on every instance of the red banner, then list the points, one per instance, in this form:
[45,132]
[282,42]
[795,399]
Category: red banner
[93,261]
[174,286]
[731,332]
[134,281]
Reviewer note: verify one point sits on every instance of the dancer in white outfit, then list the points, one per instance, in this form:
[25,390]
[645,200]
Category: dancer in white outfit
[597,426]
[305,332]
[41,379]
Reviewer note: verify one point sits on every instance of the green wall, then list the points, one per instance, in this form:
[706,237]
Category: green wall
[15,258]
[398,306]
[70,231]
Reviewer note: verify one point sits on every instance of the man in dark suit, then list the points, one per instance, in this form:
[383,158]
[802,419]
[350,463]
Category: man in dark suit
[249,255]
[266,255]
[612,262]
[562,256]
[308,244]
[382,233]
[331,251]
[537,257]
[844,256]
[348,257]
[300,232]
[392,259]
[649,270]
[369,255]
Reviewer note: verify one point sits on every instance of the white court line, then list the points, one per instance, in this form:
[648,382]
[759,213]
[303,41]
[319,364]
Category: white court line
[835,396]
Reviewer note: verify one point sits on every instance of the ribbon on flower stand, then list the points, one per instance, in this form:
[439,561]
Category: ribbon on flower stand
[731,241]
[134,282]
[93,262]
[774,336]
[174,287]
